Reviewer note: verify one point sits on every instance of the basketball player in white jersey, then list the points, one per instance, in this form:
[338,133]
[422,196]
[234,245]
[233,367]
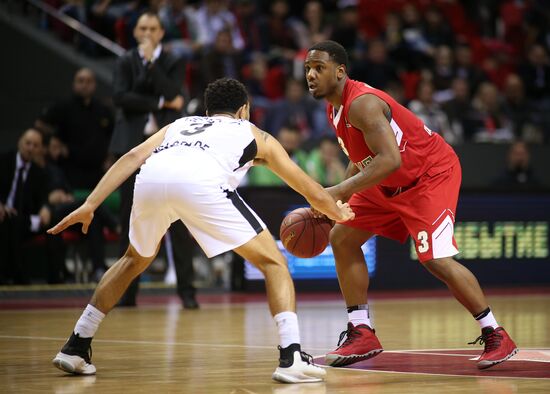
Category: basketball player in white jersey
[189,171]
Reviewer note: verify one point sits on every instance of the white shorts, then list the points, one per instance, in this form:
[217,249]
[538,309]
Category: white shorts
[219,220]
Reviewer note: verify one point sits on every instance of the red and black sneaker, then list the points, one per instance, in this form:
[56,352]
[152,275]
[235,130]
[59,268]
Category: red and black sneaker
[361,344]
[499,347]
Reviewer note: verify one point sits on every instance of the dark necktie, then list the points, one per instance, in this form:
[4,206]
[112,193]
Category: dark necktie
[18,199]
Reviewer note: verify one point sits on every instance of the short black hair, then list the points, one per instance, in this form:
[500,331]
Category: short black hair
[336,52]
[225,95]
[151,14]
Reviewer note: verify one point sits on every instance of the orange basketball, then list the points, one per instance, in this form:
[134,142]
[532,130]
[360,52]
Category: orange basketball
[304,235]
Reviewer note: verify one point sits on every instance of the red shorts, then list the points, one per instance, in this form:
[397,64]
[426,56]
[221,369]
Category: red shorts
[426,212]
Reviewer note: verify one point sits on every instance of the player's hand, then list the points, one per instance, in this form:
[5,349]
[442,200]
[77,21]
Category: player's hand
[346,213]
[83,214]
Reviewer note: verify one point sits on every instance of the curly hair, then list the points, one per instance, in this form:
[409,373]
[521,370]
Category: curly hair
[336,52]
[225,95]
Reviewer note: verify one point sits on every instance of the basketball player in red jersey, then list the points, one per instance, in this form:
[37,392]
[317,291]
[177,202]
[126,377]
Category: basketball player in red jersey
[403,179]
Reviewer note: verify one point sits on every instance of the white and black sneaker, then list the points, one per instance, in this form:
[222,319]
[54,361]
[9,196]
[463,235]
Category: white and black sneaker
[76,356]
[296,366]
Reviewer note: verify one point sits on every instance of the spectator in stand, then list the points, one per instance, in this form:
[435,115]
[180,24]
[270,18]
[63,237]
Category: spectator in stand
[282,40]
[84,126]
[537,23]
[23,210]
[393,39]
[375,69]
[61,202]
[291,140]
[535,73]
[324,164]
[213,17]
[222,60]
[443,72]
[105,13]
[425,107]
[436,29]
[518,174]
[520,111]
[347,31]
[499,63]
[263,84]
[491,124]
[419,49]
[147,91]
[466,69]
[180,29]
[484,14]
[459,109]
[314,27]
[299,109]
[251,27]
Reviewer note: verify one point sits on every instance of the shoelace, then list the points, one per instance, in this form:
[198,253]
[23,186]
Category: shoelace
[350,333]
[306,357]
[491,341]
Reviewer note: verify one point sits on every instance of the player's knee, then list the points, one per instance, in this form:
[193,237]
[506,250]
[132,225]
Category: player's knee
[335,237]
[441,267]
[271,263]
[339,238]
[134,262]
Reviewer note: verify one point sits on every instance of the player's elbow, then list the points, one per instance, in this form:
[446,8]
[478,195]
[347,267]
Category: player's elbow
[136,156]
[396,163]
[392,163]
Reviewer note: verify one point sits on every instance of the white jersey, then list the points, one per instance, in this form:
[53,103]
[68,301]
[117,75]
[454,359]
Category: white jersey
[214,150]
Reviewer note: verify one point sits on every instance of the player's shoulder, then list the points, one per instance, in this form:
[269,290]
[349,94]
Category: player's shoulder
[365,103]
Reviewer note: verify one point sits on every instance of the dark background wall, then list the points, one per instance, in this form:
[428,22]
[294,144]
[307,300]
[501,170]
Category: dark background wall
[482,163]
[31,76]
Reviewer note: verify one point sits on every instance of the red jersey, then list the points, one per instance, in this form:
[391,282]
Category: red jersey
[422,150]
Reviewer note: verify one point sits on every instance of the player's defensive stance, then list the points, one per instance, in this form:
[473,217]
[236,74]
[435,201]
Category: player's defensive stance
[189,171]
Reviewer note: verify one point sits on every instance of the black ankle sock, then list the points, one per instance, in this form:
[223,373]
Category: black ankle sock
[483,314]
[358,307]
[286,355]
[76,345]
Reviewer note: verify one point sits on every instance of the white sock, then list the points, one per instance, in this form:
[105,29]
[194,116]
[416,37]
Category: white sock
[89,321]
[289,332]
[488,320]
[360,316]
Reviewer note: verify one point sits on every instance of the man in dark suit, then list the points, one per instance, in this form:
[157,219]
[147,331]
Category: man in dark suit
[147,91]
[23,195]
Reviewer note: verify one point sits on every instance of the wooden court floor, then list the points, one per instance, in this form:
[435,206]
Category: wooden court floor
[228,347]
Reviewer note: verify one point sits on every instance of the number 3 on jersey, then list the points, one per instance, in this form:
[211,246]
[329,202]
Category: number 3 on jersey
[423,242]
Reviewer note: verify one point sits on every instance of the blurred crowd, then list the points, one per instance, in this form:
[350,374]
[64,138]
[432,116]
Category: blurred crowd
[474,71]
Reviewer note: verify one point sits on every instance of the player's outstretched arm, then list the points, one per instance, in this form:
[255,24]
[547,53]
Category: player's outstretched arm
[273,155]
[118,173]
